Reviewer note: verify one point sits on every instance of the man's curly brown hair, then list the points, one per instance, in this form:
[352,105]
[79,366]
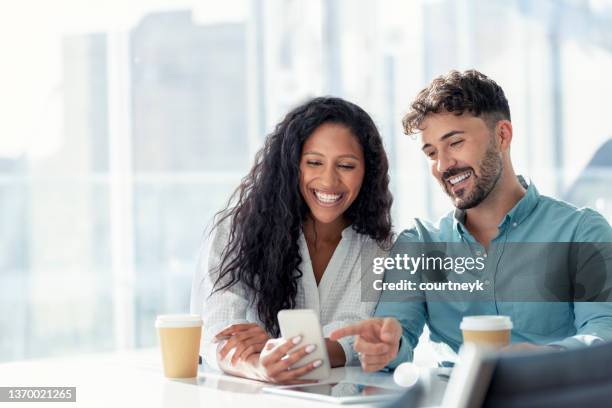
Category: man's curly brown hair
[459,92]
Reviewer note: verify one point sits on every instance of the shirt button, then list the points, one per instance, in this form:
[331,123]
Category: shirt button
[514,224]
[485,255]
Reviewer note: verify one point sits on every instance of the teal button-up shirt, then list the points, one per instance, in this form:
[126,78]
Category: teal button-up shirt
[534,219]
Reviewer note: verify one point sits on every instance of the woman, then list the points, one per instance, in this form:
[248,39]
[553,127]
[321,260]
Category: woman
[312,210]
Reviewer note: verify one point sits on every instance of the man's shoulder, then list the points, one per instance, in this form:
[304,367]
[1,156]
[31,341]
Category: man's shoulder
[583,223]
[563,210]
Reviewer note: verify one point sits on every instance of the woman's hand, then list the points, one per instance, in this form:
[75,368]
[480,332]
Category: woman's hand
[275,361]
[246,339]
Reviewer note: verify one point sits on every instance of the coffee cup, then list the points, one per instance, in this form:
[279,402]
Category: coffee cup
[179,340]
[491,331]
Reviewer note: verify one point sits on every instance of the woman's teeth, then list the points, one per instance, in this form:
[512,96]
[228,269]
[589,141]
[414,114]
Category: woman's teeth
[459,178]
[327,198]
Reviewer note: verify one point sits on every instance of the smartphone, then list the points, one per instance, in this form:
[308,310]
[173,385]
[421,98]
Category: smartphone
[305,323]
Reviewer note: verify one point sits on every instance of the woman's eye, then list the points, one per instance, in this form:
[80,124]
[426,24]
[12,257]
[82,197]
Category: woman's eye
[346,166]
[313,163]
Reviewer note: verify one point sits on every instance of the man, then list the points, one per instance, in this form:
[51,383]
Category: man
[464,120]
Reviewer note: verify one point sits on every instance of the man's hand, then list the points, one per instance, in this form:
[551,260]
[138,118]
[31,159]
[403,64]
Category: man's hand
[377,341]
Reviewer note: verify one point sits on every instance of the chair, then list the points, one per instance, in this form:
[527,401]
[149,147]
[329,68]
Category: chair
[568,378]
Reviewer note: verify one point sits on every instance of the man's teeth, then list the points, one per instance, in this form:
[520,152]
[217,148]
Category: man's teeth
[327,198]
[459,178]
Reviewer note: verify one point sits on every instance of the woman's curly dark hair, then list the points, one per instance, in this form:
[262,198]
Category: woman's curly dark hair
[267,209]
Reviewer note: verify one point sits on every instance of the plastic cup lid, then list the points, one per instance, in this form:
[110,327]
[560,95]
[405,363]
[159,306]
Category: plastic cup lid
[178,320]
[485,323]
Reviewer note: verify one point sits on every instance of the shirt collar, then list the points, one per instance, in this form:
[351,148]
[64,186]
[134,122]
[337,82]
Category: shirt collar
[348,232]
[516,215]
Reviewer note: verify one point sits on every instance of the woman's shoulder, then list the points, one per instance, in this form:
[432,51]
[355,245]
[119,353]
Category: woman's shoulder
[221,226]
[217,236]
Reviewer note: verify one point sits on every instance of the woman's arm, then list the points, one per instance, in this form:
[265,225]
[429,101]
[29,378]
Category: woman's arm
[336,353]
[220,309]
[231,343]
[240,341]
[274,363]
[356,303]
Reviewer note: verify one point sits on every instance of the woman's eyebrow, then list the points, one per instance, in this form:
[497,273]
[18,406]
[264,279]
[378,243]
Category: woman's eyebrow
[349,156]
[315,153]
[342,156]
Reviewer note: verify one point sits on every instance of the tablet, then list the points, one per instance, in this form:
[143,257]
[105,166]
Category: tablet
[338,393]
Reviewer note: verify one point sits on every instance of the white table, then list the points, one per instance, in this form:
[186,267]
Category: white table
[135,379]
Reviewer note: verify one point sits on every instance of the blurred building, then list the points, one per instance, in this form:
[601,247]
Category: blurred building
[189,103]
[592,187]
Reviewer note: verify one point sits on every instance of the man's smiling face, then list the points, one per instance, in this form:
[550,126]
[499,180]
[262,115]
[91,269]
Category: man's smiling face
[463,156]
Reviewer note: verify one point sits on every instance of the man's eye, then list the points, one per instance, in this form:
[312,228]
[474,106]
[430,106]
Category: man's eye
[457,143]
[430,154]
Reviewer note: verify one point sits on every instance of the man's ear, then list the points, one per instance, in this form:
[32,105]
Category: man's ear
[503,133]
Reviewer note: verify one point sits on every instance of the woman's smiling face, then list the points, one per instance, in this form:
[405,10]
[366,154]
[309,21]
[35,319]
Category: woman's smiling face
[332,168]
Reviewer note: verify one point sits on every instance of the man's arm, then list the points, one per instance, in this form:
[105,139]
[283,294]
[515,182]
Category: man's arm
[411,315]
[593,311]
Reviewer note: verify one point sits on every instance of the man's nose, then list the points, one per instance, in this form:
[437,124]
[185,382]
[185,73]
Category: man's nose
[445,162]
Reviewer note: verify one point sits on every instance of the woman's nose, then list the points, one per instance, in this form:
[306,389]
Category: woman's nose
[329,177]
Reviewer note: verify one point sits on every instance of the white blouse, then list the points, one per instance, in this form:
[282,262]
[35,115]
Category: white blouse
[337,298]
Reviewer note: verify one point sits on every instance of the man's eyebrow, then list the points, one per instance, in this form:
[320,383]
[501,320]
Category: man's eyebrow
[444,137]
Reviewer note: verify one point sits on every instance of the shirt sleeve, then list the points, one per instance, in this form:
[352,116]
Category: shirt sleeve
[220,308]
[593,318]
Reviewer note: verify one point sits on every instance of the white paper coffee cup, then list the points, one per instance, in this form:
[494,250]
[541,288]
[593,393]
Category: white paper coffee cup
[493,331]
[179,340]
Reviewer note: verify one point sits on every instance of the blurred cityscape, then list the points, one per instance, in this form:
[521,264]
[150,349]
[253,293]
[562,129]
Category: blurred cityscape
[159,123]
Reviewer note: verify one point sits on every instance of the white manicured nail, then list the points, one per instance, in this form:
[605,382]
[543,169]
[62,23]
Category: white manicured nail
[317,363]
[310,348]
[296,339]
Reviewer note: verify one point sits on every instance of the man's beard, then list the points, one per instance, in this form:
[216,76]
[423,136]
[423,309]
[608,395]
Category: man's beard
[491,169]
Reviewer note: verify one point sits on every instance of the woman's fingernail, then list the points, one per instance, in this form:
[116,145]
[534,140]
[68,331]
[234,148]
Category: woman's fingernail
[317,363]
[296,339]
[310,348]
